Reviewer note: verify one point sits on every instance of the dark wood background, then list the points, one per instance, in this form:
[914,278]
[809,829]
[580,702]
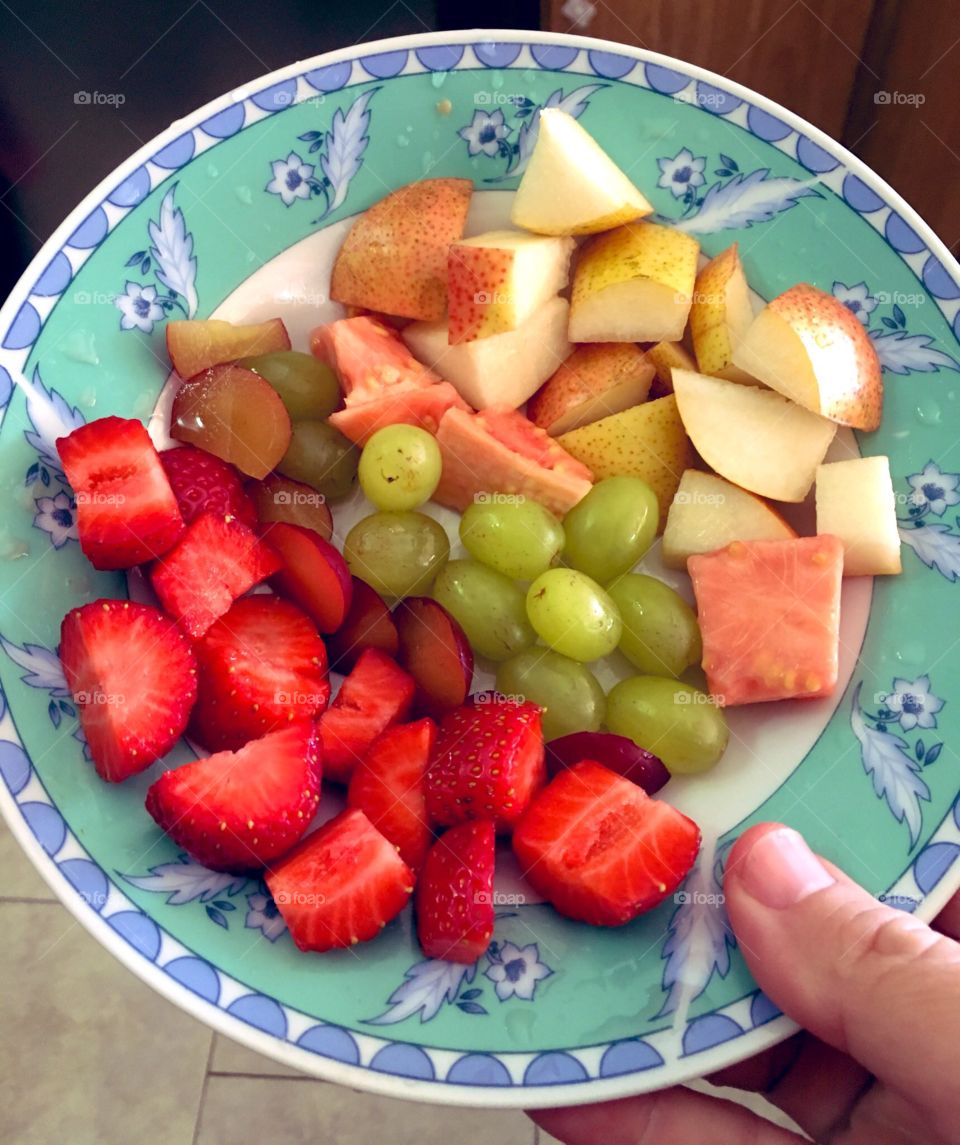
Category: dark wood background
[880,76]
[828,60]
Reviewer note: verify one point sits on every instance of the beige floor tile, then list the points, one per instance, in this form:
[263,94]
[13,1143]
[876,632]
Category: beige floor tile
[88,1053]
[284,1111]
[230,1057]
[19,878]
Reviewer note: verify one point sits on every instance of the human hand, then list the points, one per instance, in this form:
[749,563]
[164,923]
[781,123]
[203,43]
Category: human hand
[876,991]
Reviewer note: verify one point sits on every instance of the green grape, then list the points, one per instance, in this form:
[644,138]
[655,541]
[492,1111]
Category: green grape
[321,456]
[397,554]
[488,606]
[676,722]
[519,538]
[307,387]
[611,528]
[573,614]
[660,636]
[568,692]
[400,467]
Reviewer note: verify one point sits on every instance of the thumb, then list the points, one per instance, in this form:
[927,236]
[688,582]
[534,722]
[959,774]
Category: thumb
[872,981]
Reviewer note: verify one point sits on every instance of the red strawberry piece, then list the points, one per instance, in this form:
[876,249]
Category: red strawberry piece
[368,624]
[261,666]
[216,560]
[375,695]
[388,785]
[455,893]
[488,763]
[600,849]
[133,678]
[341,885]
[202,482]
[237,811]
[126,511]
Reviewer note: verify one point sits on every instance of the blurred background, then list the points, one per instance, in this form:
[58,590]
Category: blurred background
[87,81]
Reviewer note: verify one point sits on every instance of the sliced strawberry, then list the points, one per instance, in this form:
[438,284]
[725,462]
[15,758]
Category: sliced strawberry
[261,666]
[455,893]
[126,511]
[375,695]
[388,785]
[133,678]
[341,885]
[600,849]
[216,560]
[488,763]
[368,624]
[203,482]
[237,811]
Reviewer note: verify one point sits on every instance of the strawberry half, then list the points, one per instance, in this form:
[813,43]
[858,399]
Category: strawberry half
[261,666]
[236,811]
[488,763]
[375,695]
[202,483]
[126,511]
[133,678]
[388,785]
[216,560]
[341,885]
[600,849]
[455,893]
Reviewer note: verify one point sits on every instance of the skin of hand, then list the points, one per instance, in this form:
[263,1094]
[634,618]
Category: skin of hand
[876,992]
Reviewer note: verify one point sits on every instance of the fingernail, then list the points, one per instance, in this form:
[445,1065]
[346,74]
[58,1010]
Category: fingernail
[780,869]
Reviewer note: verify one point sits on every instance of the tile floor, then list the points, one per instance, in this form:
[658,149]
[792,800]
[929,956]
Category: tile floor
[91,1056]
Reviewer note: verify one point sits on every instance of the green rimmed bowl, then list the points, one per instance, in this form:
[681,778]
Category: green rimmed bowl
[237,211]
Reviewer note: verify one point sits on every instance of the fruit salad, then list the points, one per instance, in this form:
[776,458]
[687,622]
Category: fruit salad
[523,415]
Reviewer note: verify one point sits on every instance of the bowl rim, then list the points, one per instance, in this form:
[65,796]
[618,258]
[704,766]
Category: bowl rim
[327,1068]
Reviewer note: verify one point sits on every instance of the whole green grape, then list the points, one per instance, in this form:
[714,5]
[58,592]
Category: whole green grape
[571,698]
[674,721]
[321,456]
[400,467]
[611,528]
[573,614]
[307,387]
[519,538]
[660,635]
[488,606]
[397,554]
